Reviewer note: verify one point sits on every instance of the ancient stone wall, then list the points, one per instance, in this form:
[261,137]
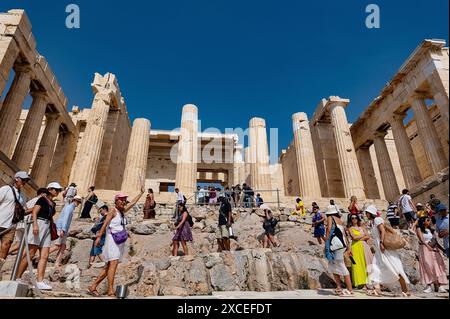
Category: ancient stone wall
[290,172]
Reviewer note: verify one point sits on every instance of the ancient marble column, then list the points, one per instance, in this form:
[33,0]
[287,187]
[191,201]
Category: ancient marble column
[439,82]
[63,158]
[41,166]
[368,173]
[187,160]
[351,174]
[387,173]
[428,135]
[12,107]
[26,145]
[408,163]
[8,55]
[137,157]
[306,160]
[259,156]
[89,153]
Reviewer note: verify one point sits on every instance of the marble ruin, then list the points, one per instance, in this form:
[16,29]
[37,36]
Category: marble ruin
[329,157]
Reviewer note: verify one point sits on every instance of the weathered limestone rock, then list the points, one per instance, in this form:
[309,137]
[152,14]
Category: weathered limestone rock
[259,156]
[136,164]
[306,161]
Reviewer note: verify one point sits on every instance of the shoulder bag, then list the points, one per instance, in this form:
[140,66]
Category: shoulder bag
[392,240]
[19,211]
[122,236]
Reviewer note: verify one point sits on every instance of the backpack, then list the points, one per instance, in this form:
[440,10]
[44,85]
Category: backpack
[184,199]
[190,221]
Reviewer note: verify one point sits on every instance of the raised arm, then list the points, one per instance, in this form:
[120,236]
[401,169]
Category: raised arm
[135,200]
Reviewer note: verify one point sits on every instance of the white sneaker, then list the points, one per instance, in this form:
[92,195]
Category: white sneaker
[428,290]
[442,290]
[43,286]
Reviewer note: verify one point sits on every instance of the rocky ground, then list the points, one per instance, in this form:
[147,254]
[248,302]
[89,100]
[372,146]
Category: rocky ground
[148,269]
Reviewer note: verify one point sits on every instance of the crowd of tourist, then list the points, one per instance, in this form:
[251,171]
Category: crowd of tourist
[357,243]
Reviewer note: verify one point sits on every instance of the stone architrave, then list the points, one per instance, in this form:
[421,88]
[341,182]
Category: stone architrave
[368,173]
[259,156]
[428,135]
[41,166]
[411,172]
[387,173]
[12,107]
[27,143]
[187,160]
[439,82]
[348,162]
[89,153]
[137,157]
[306,160]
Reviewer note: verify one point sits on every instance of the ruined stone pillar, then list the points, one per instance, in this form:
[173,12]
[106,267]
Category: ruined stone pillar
[306,160]
[408,163]
[8,55]
[259,156]
[351,175]
[12,107]
[439,82]
[186,177]
[89,153]
[26,146]
[63,158]
[428,135]
[41,166]
[387,173]
[368,173]
[137,157]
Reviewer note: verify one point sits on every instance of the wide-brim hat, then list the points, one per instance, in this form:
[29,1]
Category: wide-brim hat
[78,198]
[332,210]
[55,185]
[372,210]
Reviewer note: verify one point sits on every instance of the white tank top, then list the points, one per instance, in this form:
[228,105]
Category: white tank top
[117,223]
[428,236]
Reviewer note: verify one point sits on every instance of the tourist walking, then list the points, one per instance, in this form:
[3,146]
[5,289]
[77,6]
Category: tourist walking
[225,222]
[442,225]
[10,197]
[353,208]
[259,200]
[318,223]
[335,247]
[181,199]
[431,264]
[358,236]
[90,200]
[69,193]
[269,225]
[248,195]
[97,250]
[387,267]
[116,236]
[393,215]
[39,236]
[63,226]
[200,195]
[407,208]
[212,196]
[183,231]
[150,205]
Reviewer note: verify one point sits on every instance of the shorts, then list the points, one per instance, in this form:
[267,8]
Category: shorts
[8,236]
[394,222]
[43,239]
[410,216]
[222,232]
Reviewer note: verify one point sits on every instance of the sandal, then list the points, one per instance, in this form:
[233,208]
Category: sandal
[374,293]
[406,294]
[347,293]
[93,292]
[338,292]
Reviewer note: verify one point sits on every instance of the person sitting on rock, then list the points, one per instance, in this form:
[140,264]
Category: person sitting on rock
[225,222]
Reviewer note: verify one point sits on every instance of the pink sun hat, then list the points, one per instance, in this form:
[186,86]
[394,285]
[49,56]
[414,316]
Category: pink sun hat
[120,196]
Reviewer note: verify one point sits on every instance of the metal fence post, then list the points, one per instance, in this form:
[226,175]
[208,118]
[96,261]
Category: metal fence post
[278,198]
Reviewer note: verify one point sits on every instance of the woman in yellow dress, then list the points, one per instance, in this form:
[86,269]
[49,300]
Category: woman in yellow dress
[359,268]
[299,209]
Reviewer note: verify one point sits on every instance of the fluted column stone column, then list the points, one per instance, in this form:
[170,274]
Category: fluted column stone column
[428,135]
[41,166]
[306,160]
[27,143]
[260,178]
[368,173]
[187,160]
[390,186]
[12,107]
[348,162]
[137,157]
[439,82]
[8,55]
[63,158]
[411,172]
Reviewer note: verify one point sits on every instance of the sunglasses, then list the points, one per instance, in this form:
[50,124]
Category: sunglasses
[354,217]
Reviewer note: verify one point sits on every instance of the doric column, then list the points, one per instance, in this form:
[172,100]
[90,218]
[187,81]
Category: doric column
[8,55]
[428,135]
[186,177]
[259,156]
[63,158]
[89,153]
[439,82]
[351,175]
[387,173]
[26,145]
[12,107]
[137,157]
[368,173]
[306,160]
[41,166]
[408,163]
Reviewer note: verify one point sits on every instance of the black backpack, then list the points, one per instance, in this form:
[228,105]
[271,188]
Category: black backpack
[190,221]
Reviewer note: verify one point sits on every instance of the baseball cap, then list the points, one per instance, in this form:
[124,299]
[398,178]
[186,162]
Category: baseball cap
[78,198]
[54,185]
[22,175]
[441,207]
[120,196]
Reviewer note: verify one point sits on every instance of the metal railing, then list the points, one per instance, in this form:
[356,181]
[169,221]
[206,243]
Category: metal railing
[237,198]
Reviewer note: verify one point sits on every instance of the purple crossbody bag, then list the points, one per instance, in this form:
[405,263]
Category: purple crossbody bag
[122,236]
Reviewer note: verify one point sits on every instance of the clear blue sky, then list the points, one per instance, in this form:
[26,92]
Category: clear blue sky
[234,59]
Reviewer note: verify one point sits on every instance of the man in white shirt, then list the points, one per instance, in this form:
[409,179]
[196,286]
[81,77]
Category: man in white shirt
[8,196]
[407,208]
[180,200]
[201,193]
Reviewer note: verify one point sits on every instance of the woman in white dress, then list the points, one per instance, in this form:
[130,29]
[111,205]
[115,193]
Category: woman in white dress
[387,267]
[112,252]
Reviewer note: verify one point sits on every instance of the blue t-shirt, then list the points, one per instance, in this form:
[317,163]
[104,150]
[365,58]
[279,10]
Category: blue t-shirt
[441,225]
